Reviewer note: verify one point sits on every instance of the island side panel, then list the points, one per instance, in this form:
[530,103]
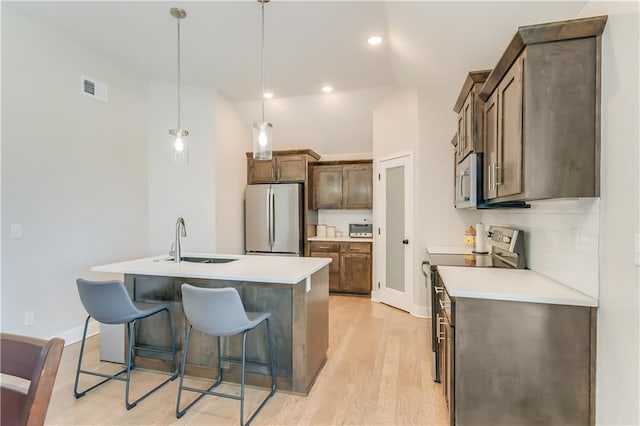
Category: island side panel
[316,326]
[299,327]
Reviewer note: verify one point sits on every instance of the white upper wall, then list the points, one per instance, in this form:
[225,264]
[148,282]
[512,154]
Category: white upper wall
[186,190]
[618,370]
[233,140]
[339,122]
[74,174]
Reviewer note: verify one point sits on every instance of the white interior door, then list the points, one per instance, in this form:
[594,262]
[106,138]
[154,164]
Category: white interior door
[393,240]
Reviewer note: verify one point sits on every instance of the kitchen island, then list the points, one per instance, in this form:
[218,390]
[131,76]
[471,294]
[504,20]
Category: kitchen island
[294,289]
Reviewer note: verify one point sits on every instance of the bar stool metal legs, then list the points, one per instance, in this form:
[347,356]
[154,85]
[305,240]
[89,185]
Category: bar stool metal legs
[243,361]
[125,374]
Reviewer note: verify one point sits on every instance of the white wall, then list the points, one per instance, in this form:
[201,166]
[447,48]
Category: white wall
[233,140]
[618,372]
[561,239]
[396,129]
[186,190]
[335,123]
[342,218]
[74,174]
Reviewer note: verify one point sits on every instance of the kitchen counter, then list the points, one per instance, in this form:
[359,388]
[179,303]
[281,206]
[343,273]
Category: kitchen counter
[295,290]
[341,239]
[518,285]
[265,269]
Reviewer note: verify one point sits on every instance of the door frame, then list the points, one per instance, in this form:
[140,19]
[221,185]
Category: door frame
[379,293]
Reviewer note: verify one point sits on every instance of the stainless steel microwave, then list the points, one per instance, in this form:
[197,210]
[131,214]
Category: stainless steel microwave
[468,183]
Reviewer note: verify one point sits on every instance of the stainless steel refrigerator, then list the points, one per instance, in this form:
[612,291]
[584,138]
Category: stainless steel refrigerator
[273,219]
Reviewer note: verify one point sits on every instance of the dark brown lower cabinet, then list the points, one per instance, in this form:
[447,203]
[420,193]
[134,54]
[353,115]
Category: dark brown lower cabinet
[350,267]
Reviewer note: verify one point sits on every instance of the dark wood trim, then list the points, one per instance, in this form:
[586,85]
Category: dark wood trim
[340,162]
[472,78]
[541,33]
[293,152]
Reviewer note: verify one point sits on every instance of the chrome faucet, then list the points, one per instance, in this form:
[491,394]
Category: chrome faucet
[177,255]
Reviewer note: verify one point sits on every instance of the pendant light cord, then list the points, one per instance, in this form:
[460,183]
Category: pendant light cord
[262,47]
[179,128]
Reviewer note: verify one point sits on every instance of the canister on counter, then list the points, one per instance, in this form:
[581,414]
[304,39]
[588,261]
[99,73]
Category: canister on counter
[331,231]
[321,230]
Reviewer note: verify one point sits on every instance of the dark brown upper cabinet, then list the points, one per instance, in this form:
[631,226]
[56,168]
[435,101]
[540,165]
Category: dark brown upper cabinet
[285,166]
[340,185]
[470,109]
[542,114]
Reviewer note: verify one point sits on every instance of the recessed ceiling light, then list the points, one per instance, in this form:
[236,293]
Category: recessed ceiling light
[374,40]
[327,89]
[268,95]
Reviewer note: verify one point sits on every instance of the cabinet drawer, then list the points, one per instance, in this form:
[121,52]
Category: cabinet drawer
[324,247]
[356,247]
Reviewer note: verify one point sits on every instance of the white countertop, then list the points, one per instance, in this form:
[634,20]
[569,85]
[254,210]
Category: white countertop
[449,249]
[519,285]
[266,269]
[341,239]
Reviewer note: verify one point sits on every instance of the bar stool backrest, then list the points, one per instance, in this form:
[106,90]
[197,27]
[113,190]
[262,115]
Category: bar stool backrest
[215,311]
[107,302]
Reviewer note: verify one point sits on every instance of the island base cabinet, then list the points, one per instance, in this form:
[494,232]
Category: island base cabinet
[523,363]
[299,330]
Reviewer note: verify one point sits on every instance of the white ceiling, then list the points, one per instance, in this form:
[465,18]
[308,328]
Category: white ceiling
[308,43]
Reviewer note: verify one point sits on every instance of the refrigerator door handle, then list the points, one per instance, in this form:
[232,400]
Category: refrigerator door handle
[272,227]
[268,217]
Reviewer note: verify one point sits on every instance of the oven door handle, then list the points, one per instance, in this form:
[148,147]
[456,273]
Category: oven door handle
[425,273]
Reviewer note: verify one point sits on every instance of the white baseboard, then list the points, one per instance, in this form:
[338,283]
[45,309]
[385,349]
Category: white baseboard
[421,311]
[75,334]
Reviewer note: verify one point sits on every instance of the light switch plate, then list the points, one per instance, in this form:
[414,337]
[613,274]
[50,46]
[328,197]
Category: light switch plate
[16,231]
[637,256]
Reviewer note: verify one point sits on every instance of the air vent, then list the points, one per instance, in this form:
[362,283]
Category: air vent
[94,88]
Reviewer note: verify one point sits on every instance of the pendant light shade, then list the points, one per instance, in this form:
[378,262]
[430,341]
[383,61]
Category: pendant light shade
[179,146]
[262,131]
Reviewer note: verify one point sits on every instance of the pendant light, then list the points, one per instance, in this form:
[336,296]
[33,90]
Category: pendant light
[262,131]
[179,148]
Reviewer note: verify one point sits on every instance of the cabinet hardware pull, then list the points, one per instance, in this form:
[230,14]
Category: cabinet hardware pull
[501,182]
[323,247]
[354,249]
[439,289]
[444,305]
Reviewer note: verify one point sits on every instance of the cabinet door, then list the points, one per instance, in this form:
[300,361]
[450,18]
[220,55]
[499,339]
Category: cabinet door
[468,117]
[291,168]
[461,137]
[490,146]
[355,273]
[509,169]
[261,171]
[334,268]
[357,186]
[327,187]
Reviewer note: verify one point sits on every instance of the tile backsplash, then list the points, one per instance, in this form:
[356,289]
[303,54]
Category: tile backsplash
[342,218]
[561,239]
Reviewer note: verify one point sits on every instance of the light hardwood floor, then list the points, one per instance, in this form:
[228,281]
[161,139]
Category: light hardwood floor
[378,372]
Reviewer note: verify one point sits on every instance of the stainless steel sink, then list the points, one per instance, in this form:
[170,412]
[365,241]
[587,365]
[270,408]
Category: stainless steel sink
[203,259]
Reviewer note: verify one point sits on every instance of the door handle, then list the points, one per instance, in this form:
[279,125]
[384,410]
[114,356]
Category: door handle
[405,241]
[273,217]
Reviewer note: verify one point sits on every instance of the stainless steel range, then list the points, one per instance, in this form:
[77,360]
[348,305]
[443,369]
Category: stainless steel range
[507,251]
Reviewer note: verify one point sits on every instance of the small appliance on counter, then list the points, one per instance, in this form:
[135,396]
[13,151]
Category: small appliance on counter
[360,230]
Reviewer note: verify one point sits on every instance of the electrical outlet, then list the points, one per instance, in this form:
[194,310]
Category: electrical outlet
[16,231]
[29,318]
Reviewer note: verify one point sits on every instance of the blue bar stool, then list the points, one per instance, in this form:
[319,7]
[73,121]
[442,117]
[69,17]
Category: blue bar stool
[219,312]
[108,302]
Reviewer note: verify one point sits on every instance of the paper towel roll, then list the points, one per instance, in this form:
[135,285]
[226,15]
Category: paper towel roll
[481,239]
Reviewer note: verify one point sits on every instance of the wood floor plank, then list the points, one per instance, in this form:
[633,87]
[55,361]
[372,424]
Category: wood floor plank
[378,372]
